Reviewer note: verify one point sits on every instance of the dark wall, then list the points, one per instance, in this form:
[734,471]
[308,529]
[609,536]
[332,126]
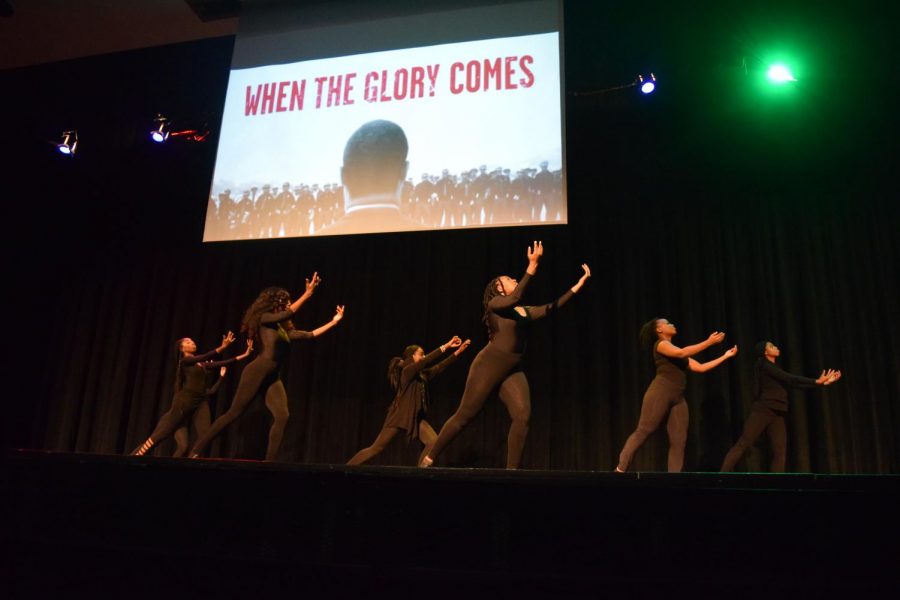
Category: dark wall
[711,203]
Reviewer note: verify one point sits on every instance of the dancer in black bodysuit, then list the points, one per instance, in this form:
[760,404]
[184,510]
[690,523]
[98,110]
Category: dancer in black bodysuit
[499,363]
[666,392]
[268,321]
[190,387]
[409,376]
[770,405]
[201,420]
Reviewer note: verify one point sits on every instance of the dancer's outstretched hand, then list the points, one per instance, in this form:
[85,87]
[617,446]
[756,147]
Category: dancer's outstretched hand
[227,339]
[715,337]
[247,351]
[462,347]
[312,284]
[535,252]
[454,342]
[585,277]
[338,314]
[828,377]
[730,352]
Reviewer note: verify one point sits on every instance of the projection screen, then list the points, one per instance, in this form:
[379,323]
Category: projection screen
[332,126]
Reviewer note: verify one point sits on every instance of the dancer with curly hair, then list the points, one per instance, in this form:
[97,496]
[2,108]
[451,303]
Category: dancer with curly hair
[190,389]
[268,322]
[499,364]
[409,376]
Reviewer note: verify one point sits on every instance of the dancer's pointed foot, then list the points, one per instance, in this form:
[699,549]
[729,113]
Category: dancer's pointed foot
[426,462]
[619,469]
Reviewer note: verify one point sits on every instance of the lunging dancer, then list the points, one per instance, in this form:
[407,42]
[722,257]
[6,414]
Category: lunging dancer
[666,392]
[499,363]
[268,321]
[409,376]
[770,396]
[201,419]
[190,390]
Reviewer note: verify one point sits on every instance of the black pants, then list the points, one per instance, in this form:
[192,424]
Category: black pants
[261,376]
[661,398]
[492,367]
[184,406]
[761,418]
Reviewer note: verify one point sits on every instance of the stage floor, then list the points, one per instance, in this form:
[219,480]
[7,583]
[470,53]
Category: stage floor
[217,526]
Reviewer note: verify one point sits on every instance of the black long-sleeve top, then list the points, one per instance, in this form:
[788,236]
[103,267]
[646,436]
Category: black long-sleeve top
[194,371]
[509,329]
[275,341]
[772,384]
[411,399]
[415,375]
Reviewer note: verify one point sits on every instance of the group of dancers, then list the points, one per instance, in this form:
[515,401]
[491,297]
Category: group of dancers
[268,327]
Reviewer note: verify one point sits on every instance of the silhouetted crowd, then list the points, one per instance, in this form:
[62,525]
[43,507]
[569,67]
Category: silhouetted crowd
[477,197]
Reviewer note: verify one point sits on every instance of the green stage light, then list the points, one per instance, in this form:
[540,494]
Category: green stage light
[779,74]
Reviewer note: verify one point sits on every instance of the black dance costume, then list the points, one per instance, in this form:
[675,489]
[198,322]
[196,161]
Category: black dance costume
[767,413]
[190,399]
[410,404]
[499,363]
[262,375]
[199,424]
[664,396]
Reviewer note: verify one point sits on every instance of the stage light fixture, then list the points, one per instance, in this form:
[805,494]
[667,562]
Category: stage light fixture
[160,133]
[647,83]
[779,74]
[69,143]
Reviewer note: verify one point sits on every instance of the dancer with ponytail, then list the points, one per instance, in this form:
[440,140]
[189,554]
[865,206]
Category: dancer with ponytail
[268,322]
[409,376]
[190,389]
[770,404]
[499,364]
[665,396]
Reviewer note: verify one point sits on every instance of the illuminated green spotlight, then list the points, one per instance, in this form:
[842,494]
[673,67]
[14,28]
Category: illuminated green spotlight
[780,74]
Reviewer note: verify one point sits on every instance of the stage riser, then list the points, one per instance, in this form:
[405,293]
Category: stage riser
[656,528]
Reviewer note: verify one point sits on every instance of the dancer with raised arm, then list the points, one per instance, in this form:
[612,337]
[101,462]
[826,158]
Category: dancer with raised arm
[409,376]
[268,322]
[770,404]
[665,396]
[190,388]
[499,364]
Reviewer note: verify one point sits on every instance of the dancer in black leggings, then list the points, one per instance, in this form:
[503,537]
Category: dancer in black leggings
[665,396]
[409,376]
[770,395]
[499,363]
[268,321]
[190,388]
[201,420]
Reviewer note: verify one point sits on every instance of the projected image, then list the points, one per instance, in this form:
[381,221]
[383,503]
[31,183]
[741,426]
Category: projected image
[455,135]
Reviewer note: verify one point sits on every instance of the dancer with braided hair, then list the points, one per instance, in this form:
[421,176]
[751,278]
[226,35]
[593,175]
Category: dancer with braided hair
[409,376]
[499,364]
[268,322]
[190,389]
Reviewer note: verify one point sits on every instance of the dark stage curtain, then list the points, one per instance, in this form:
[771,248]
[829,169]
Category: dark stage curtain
[677,222]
